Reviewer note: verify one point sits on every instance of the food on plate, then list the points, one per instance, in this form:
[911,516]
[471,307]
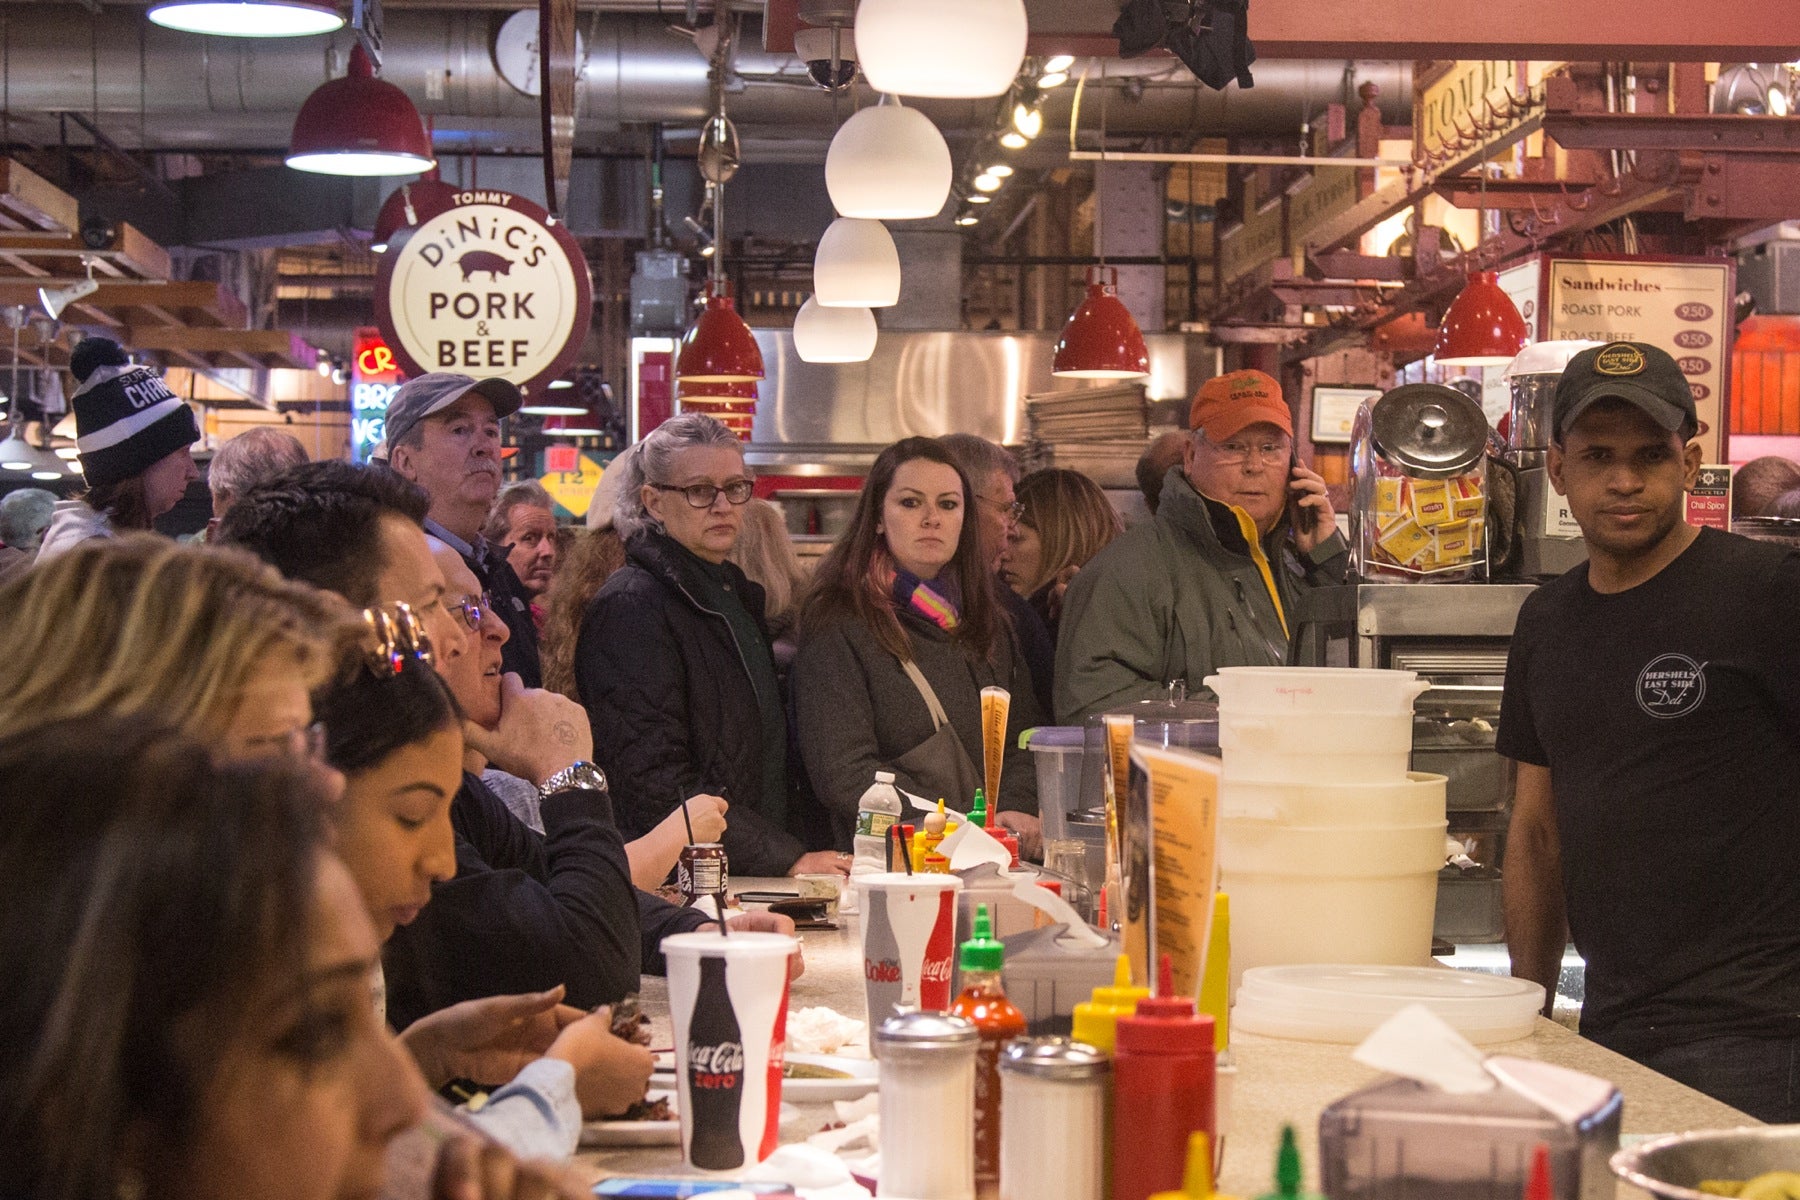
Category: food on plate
[1771,1185]
[647,1109]
[629,1022]
[797,1070]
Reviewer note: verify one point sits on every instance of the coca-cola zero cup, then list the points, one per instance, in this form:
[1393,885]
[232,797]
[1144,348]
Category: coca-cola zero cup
[728,1000]
[908,941]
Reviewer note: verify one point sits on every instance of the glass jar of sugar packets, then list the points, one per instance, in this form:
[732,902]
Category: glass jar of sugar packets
[1419,503]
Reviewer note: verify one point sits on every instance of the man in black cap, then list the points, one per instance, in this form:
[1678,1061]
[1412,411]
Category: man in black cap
[1651,707]
[443,433]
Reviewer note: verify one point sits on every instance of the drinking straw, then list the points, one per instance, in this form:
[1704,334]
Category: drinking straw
[905,850]
[687,821]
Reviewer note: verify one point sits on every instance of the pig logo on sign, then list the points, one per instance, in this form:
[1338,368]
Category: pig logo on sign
[475,262]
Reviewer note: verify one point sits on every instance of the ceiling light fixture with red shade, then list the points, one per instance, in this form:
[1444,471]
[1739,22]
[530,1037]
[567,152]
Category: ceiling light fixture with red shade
[1482,327]
[359,125]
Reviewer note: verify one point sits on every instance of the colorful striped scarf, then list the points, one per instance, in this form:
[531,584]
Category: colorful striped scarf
[911,592]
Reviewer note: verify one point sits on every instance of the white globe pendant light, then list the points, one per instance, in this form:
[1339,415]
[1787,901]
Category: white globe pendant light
[857,266]
[833,335]
[888,163]
[941,48]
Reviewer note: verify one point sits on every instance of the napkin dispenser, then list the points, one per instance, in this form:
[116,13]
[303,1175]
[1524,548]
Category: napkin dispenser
[1050,970]
[1399,1139]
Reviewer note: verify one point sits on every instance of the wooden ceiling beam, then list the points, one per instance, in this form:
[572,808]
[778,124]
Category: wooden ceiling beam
[246,347]
[29,201]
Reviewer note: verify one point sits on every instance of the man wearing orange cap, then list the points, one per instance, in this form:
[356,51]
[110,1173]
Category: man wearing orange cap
[1210,582]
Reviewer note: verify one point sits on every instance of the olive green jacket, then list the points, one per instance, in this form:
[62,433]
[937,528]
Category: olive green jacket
[1178,597]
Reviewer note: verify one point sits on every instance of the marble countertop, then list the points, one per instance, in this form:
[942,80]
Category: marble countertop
[1278,1081]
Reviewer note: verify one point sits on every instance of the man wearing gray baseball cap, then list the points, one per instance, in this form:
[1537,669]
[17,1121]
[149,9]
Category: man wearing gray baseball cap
[1651,708]
[443,433]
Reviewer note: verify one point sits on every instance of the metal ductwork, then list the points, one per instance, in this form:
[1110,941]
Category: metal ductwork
[206,94]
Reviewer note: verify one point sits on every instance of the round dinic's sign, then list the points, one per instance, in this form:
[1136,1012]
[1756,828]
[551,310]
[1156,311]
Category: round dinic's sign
[490,287]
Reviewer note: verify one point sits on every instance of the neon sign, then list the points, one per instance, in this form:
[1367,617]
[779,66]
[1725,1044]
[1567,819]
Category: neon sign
[374,378]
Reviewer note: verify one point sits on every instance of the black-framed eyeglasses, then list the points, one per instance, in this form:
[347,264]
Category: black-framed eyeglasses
[471,607]
[1012,508]
[703,495]
[398,636]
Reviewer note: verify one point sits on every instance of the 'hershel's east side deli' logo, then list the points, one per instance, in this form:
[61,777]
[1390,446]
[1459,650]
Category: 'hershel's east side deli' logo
[489,287]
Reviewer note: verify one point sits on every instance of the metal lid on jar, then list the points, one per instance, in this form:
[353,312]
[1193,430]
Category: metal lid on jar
[1428,430]
[1053,1058]
[921,1032]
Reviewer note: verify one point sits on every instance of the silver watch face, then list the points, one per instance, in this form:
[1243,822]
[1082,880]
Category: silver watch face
[576,775]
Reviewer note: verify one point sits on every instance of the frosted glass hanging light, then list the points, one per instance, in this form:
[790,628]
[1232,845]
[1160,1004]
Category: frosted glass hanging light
[942,48]
[833,335]
[857,265]
[888,163]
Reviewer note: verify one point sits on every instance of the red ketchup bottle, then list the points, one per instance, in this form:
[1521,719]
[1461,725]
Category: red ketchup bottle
[1163,1074]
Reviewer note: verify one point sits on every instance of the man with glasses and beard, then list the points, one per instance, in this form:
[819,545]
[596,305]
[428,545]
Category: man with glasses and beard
[443,433]
[1242,527]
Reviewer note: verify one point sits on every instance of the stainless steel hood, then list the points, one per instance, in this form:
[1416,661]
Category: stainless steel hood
[825,419]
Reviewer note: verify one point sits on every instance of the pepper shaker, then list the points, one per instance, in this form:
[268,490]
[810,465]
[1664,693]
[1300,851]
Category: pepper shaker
[1059,1088]
[927,1106]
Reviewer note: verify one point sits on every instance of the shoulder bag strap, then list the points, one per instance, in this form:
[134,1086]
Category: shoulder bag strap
[939,718]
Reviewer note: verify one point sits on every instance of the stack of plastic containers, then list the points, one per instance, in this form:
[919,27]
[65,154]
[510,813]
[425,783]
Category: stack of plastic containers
[1328,845]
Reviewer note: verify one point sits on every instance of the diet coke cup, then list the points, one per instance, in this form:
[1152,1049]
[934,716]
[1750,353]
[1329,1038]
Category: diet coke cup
[728,998]
[908,941]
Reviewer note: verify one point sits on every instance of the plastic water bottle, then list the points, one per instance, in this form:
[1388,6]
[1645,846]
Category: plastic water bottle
[876,814]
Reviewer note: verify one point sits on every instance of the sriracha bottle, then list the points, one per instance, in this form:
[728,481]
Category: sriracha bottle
[997,1021]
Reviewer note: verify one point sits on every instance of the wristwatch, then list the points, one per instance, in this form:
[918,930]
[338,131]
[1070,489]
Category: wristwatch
[578,774]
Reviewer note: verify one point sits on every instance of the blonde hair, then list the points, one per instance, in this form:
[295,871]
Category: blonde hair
[1073,518]
[139,626]
[765,553]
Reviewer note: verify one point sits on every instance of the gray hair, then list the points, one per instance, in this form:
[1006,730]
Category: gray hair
[24,514]
[979,457]
[249,458]
[654,463]
[525,491]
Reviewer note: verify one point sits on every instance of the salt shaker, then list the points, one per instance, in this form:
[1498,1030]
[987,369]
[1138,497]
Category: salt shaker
[927,1107]
[1053,1120]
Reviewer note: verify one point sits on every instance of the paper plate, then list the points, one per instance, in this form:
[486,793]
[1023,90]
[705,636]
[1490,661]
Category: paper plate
[648,1133]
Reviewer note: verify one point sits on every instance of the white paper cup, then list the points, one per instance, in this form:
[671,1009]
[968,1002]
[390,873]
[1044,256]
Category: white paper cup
[728,997]
[908,941]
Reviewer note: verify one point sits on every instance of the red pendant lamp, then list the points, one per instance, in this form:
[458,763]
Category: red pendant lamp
[1101,341]
[718,347]
[359,125]
[411,205]
[1482,328]
[732,404]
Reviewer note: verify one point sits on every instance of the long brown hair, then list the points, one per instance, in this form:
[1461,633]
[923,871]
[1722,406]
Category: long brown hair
[123,503]
[1073,518]
[845,584]
[595,555]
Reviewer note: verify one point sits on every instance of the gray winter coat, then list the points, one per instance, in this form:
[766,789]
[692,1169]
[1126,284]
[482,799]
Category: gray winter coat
[857,711]
[1177,598]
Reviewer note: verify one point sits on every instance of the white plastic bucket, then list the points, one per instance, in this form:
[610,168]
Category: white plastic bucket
[1418,800]
[1057,751]
[1329,894]
[1315,689]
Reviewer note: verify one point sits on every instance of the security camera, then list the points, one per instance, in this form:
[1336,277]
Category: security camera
[831,67]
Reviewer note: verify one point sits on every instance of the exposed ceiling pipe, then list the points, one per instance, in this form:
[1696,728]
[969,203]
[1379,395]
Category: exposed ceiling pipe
[196,93]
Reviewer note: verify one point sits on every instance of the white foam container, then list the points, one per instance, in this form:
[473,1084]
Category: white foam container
[1315,689]
[1417,800]
[1344,1004]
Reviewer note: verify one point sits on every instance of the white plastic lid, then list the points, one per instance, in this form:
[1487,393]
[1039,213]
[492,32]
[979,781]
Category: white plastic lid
[1547,358]
[884,777]
[1343,1003]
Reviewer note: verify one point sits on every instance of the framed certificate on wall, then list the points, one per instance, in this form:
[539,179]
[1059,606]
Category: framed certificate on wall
[1334,412]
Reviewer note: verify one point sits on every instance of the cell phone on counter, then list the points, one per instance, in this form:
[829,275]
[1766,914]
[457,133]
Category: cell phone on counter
[679,1189]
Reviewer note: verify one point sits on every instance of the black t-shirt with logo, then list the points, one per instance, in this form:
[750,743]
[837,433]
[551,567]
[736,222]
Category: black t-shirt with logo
[1669,717]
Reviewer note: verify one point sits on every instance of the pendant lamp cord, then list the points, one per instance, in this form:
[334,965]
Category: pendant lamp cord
[1100,177]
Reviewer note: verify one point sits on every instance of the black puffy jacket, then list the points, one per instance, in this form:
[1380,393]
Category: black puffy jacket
[672,705]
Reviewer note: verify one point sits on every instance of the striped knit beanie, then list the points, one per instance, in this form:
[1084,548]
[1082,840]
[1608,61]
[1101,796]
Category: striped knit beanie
[126,418]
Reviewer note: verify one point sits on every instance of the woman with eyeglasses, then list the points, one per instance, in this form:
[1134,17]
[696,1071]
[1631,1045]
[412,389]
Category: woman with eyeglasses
[901,620]
[674,663]
[1064,520]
